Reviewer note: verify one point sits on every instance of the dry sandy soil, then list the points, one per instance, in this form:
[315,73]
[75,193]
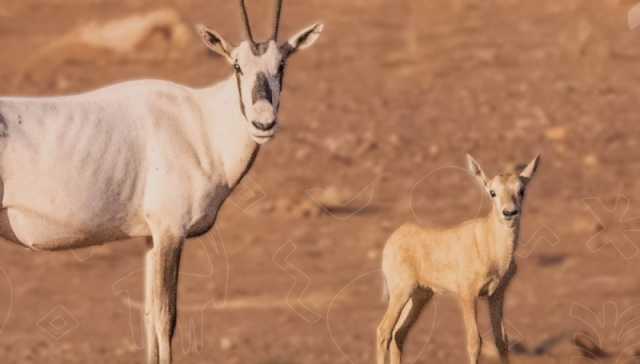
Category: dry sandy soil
[376,120]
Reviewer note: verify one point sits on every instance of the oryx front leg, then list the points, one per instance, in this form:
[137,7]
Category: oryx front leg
[149,323]
[470,317]
[496,303]
[167,248]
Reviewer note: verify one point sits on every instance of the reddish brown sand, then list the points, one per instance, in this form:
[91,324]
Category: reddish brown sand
[380,111]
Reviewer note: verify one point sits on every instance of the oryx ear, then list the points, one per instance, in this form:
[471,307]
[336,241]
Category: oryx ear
[214,41]
[476,171]
[531,168]
[305,38]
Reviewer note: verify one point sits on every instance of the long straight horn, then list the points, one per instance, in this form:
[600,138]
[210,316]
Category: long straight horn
[276,24]
[247,22]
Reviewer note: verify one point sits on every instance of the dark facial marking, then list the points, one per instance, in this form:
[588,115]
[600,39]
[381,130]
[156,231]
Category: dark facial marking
[286,50]
[242,109]
[4,129]
[260,49]
[281,70]
[262,89]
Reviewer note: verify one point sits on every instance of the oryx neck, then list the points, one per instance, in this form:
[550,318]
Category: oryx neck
[228,129]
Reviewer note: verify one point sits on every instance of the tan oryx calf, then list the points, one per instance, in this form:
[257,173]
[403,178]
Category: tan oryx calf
[469,260]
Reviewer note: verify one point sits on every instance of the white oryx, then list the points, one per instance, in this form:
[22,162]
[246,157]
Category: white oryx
[141,159]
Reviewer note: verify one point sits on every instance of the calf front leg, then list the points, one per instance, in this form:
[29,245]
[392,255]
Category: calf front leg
[166,265]
[496,304]
[470,317]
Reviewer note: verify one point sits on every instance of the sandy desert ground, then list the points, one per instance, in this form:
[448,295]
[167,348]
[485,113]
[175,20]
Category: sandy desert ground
[376,119]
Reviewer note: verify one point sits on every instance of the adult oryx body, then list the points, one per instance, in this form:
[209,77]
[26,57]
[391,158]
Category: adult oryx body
[141,159]
[97,167]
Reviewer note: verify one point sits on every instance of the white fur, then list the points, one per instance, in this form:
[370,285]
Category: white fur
[92,168]
[146,159]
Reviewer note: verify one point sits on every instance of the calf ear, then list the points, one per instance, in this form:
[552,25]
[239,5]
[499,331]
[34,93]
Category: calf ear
[305,38]
[529,171]
[476,171]
[214,42]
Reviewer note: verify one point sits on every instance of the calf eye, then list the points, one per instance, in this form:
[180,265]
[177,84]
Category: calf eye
[521,192]
[492,193]
[237,68]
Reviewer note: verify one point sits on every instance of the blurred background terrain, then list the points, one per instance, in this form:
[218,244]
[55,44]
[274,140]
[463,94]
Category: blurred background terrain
[376,119]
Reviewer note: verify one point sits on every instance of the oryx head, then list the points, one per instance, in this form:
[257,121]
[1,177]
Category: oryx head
[259,70]
[507,190]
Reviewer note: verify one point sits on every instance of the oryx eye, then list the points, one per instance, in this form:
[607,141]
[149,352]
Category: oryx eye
[492,193]
[283,64]
[521,192]
[237,68]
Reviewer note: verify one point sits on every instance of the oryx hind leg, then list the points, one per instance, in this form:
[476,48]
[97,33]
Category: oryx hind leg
[409,316]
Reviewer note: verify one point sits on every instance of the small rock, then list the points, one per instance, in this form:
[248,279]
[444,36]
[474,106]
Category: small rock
[582,225]
[62,83]
[394,139]
[226,344]
[302,153]
[307,209]
[331,197]
[557,133]
[590,160]
[541,116]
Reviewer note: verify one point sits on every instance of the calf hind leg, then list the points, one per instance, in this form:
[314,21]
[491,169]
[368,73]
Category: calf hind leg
[398,298]
[409,316]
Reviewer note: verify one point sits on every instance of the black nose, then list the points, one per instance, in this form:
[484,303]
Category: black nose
[511,213]
[263,127]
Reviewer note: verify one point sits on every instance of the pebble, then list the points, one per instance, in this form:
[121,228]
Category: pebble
[226,344]
[590,160]
[557,133]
